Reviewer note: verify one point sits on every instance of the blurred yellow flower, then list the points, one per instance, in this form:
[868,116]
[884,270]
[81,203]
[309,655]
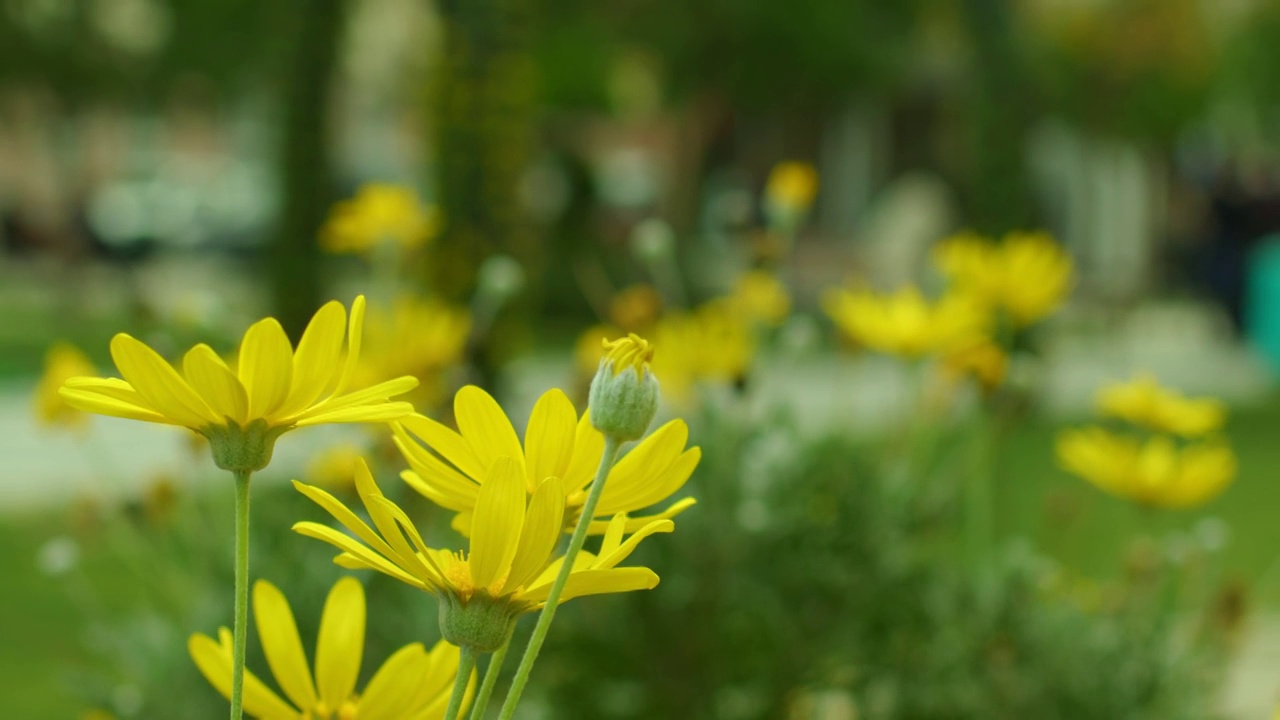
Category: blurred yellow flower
[760,297]
[513,537]
[450,468]
[335,466]
[904,322]
[379,213]
[418,337]
[791,187]
[1142,401]
[635,308]
[96,714]
[413,684]
[1155,472]
[61,362]
[1027,275]
[713,343]
[982,360]
[272,390]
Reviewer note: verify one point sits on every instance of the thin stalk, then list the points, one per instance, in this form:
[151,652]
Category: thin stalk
[611,447]
[491,674]
[978,526]
[466,663]
[242,594]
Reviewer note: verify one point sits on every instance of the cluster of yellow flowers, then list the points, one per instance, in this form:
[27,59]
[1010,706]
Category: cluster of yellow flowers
[712,343]
[993,289]
[1173,457]
[514,502]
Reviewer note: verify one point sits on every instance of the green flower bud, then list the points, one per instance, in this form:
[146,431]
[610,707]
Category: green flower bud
[481,622]
[624,392]
[242,449]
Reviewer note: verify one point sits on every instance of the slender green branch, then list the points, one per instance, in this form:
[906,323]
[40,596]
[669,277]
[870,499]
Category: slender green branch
[242,594]
[491,674]
[466,663]
[611,447]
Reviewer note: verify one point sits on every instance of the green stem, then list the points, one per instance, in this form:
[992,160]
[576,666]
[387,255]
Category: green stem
[978,528]
[611,447]
[466,663]
[242,594]
[491,674]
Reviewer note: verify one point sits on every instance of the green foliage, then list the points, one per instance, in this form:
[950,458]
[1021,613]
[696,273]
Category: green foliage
[808,566]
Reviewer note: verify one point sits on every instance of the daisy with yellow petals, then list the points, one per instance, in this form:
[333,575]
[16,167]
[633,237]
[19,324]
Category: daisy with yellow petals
[62,361]
[413,684]
[509,568]
[507,572]
[450,467]
[1154,472]
[1027,275]
[1142,401]
[273,389]
[904,322]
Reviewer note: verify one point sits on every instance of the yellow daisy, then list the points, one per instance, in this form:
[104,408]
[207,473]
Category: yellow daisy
[791,187]
[379,213]
[513,536]
[1142,401]
[1028,275]
[451,467]
[413,684]
[415,336]
[760,296]
[1154,472]
[273,388]
[62,361]
[904,322]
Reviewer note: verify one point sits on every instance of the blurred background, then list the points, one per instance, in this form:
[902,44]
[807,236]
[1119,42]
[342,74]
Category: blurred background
[177,170]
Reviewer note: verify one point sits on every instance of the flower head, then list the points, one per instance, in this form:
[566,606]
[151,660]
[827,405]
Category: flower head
[62,361]
[274,388]
[450,467]
[415,336]
[509,568]
[1155,472]
[624,393]
[1027,275]
[791,187]
[379,213]
[904,322]
[760,297]
[1142,401]
[413,683]
[713,343]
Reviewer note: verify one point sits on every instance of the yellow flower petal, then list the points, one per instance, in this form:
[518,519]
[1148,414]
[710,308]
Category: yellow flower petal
[266,367]
[633,524]
[588,446]
[372,395]
[343,515]
[451,446]
[316,365]
[620,553]
[340,646]
[158,383]
[282,646]
[485,427]
[391,691]
[220,388]
[214,662]
[548,438]
[598,582]
[495,529]
[543,525]
[350,546]
[355,328]
[386,412]
[103,405]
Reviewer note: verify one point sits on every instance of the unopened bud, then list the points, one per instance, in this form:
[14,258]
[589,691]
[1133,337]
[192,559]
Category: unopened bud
[624,392]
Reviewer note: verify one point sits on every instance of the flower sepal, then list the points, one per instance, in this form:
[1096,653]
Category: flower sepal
[242,449]
[481,622]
